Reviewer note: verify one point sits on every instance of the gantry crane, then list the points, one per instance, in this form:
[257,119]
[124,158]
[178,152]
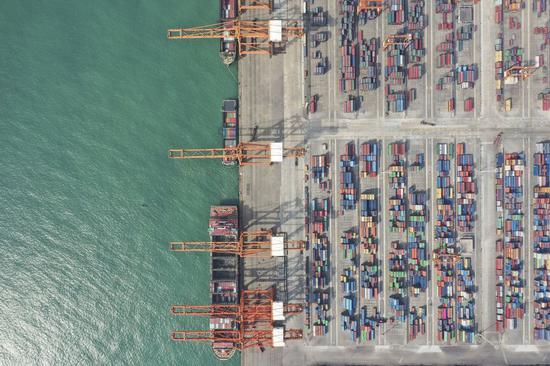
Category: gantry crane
[255,5]
[254,305]
[398,39]
[246,153]
[440,257]
[365,5]
[254,37]
[253,321]
[250,243]
[521,72]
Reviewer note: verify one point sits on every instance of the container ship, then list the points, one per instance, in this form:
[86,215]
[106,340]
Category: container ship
[223,226]
[229,127]
[228,45]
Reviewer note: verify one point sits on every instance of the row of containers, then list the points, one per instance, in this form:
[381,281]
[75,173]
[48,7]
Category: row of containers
[348,186]
[347,81]
[369,159]
[348,279]
[397,177]
[398,256]
[320,265]
[319,169]
[454,270]
[509,258]
[465,189]
[398,280]
[369,66]
[544,97]
[418,261]
[541,242]
[446,57]
[417,257]
[370,317]
[445,244]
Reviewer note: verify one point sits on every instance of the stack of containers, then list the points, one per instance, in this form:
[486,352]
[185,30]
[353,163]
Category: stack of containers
[369,267]
[369,157]
[319,169]
[398,184]
[512,57]
[499,13]
[539,7]
[348,47]
[417,51]
[415,71]
[418,163]
[444,6]
[446,58]
[499,67]
[469,104]
[465,189]
[320,212]
[399,306]
[445,242]
[320,280]
[465,289]
[318,17]
[417,255]
[417,321]
[349,302]
[369,218]
[466,75]
[398,268]
[499,265]
[541,234]
[369,278]
[369,324]
[396,65]
[396,101]
[348,190]
[544,97]
[416,17]
[499,187]
[464,33]
[445,290]
[348,66]
[514,164]
[445,230]
[396,13]
[350,105]
[368,63]
[349,244]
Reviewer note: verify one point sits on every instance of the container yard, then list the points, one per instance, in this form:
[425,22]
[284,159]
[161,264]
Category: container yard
[371,254]
[318,264]
[541,240]
[400,184]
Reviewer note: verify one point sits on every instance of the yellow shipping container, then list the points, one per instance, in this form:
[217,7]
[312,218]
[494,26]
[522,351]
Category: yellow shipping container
[508,105]
[498,56]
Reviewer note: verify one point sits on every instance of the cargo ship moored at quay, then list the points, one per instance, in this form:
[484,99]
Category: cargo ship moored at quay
[228,45]
[223,226]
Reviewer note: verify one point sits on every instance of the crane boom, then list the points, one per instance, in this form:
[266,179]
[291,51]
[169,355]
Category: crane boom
[246,153]
[250,243]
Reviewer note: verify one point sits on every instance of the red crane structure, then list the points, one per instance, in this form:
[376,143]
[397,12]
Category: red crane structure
[261,243]
[251,321]
[255,5]
[246,153]
[365,5]
[398,39]
[254,37]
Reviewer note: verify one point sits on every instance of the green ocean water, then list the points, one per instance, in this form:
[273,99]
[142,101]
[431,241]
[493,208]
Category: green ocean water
[92,95]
